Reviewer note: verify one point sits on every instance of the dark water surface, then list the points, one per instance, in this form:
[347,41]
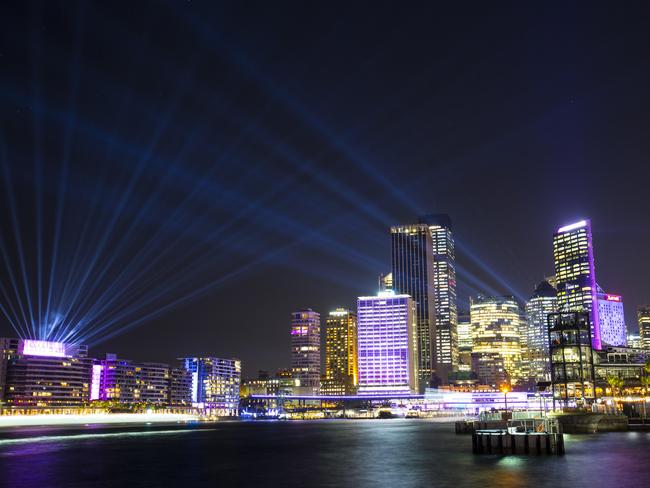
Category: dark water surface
[338,453]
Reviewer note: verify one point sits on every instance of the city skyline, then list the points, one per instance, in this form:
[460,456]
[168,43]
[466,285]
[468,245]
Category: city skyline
[207,161]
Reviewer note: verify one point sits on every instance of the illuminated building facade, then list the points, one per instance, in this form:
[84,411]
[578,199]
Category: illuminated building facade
[496,324]
[215,383]
[633,341]
[444,279]
[341,373]
[643,316]
[305,348]
[613,331]
[542,303]
[413,275]
[575,273]
[387,335]
[44,374]
[572,358]
[128,382]
[464,329]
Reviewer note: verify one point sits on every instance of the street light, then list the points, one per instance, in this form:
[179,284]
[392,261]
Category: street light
[505,391]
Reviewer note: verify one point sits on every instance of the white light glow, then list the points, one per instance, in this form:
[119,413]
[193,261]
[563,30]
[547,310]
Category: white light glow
[43,348]
[569,227]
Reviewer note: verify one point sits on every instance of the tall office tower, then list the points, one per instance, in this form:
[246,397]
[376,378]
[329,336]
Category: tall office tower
[496,322]
[305,348]
[464,342]
[387,335]
[573,254]
[613,331]
[542,302]
[386,282]
[341,374]
[444,279]
[215,383]
[412,270]
[643,315]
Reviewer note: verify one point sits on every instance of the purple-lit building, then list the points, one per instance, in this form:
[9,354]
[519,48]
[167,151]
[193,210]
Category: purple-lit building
[44,374]
[575,273]
[387,344]
[127,382]
[613,331]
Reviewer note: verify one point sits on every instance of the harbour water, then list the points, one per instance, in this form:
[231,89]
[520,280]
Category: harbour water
[330,453]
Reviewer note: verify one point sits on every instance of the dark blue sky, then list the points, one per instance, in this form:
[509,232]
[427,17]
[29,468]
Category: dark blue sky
[210,167]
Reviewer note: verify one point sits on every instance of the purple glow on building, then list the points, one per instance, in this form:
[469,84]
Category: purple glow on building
[576,274]
[386,344]
[95,381]
[43,348]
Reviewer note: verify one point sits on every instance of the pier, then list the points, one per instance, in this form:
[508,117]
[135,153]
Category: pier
[507,442]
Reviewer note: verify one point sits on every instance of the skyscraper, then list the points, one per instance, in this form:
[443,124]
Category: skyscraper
[542,303]
[613,331]
[388,344]
[341,373]
[444,279]
[573,254]
[496,322]
[413,275]
[305,348]
[643,315]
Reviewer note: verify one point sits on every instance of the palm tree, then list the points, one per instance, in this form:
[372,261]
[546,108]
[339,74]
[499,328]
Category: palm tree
[615,383]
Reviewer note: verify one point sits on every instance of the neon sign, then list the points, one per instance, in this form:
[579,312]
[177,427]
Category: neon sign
[44,348]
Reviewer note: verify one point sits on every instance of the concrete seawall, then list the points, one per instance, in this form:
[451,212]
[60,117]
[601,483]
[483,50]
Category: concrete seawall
[590,423]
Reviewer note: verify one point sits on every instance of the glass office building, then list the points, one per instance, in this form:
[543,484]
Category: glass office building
[542,303]
[575,273]
[444,278]
[496,325]
[413,275]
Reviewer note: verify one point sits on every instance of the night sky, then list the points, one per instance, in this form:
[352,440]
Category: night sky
[178,177]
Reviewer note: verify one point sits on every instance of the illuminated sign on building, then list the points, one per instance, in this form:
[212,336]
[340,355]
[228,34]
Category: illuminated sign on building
[43,348]
[613,298]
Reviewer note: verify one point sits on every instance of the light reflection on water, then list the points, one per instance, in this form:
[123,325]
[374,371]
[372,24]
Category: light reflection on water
[375,453]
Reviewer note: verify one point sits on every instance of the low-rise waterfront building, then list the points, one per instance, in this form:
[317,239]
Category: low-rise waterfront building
[128,382]
[572,357]
[215,383]
[44,374]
